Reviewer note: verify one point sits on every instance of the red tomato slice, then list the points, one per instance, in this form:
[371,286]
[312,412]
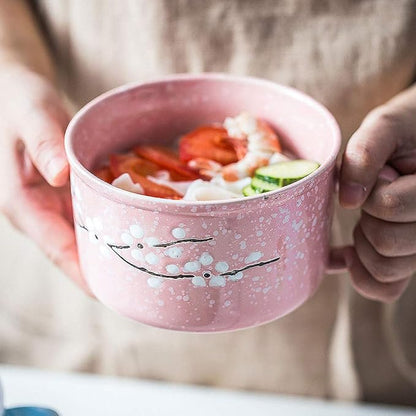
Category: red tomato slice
[104,174]
[120,164]
[138,169]
[210,142]
[167,159]
[151,188]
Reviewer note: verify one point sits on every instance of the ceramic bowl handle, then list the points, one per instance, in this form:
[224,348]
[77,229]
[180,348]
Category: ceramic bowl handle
[337,255]
[337,260]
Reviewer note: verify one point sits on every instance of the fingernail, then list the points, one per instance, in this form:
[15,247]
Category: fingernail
[55,167]
[388,174]
[352,194]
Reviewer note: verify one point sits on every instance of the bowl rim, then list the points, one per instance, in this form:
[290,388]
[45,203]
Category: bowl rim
[131,198]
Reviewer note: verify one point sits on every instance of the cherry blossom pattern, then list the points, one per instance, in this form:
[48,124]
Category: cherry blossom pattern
[217,275]
[94,227]
[202,272]
[77,199]
[135,241]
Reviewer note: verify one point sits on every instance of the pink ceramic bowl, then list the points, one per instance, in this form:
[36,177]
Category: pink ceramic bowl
[201,266]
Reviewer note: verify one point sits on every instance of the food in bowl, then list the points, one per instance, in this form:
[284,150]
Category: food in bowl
[201,266]
[241,157]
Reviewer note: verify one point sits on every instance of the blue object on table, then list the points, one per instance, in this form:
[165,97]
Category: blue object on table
[24,410]
[29,411]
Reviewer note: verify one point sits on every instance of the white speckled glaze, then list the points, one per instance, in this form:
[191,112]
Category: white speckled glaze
[198,266]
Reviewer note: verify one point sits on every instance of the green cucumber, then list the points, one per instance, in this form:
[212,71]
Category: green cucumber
[261,186]
[249,191]
[285,173]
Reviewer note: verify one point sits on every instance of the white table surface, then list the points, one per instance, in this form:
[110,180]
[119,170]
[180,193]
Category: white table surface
[73,394]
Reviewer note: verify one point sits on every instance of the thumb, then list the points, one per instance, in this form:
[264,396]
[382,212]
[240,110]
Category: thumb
[43,136]
[368,150]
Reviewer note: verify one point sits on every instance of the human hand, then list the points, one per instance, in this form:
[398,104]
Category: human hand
[34,171]
[384,254]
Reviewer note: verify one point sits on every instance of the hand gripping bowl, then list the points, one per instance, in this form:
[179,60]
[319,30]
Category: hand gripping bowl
[201,266]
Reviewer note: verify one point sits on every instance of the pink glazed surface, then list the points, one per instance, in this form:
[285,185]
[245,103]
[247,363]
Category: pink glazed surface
[197,266]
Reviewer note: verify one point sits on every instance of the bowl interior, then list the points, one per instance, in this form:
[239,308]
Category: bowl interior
[160,112]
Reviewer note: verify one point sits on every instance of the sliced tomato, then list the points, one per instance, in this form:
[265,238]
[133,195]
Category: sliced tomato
[127,163]
[104,174]
[210,142]
[168,160]
[138,169]
[270,135]
[151,188]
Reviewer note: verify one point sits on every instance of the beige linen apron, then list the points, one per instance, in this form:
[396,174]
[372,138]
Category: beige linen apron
[350,55]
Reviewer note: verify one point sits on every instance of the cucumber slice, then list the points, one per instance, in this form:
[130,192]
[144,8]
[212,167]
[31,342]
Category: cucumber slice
[285,173]
[261,186]
[249,191]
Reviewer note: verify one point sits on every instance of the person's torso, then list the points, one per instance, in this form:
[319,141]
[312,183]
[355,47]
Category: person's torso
[350,55]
